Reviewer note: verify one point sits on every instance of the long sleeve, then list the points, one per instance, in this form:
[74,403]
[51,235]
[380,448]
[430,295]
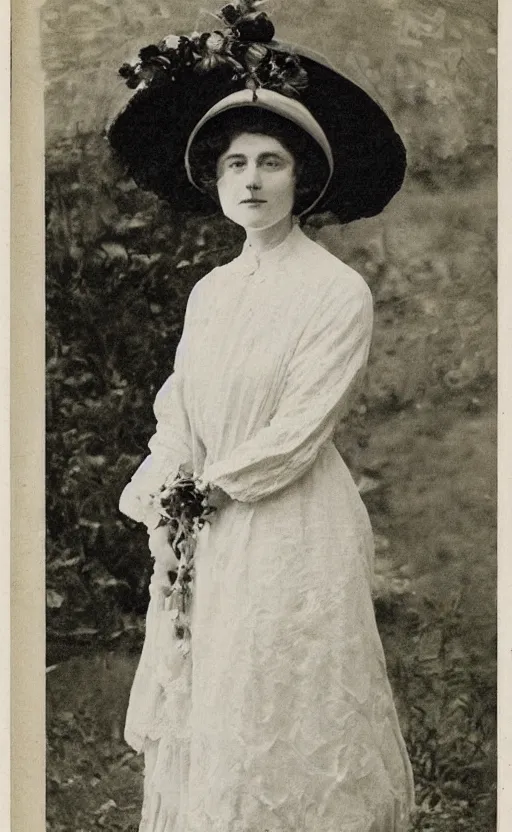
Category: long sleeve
[170,446]
[329,357]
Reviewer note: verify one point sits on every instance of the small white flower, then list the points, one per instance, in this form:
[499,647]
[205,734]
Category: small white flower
[215,42]
[171,41]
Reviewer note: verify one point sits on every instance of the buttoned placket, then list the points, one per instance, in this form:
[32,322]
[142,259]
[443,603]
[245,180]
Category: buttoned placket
[249,262]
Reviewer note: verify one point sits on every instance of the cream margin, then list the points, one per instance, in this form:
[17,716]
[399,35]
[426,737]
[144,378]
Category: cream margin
[27,421]
[4,417]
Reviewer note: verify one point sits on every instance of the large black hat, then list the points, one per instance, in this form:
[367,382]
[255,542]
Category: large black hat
[177,82]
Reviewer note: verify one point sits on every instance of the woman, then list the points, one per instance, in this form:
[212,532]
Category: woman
[282,717]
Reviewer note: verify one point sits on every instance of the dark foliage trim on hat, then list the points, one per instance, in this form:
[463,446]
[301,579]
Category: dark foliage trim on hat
[242,42]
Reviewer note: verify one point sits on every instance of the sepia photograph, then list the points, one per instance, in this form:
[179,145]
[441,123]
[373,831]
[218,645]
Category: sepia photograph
[271,415]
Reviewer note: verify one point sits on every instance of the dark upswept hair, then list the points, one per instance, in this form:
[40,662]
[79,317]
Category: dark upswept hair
[214,139]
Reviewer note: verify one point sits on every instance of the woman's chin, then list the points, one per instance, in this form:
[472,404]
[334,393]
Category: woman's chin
[257,224]
[254,220]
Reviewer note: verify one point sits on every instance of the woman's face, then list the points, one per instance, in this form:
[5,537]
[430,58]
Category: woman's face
[256,181]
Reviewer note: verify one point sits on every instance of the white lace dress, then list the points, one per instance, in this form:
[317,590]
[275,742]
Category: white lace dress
[282,720]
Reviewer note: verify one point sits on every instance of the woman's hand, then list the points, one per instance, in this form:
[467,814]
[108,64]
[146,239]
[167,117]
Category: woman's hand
[161,549]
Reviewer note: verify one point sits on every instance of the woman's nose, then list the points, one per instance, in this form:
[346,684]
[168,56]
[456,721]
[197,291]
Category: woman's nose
[253,178]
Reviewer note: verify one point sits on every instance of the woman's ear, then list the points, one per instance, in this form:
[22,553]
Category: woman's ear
[302,186]
[298,169]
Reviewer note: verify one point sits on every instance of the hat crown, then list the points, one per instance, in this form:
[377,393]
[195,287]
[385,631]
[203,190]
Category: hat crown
[243,40]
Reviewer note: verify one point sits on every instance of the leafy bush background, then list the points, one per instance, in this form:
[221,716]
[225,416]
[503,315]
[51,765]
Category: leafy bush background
[420,441]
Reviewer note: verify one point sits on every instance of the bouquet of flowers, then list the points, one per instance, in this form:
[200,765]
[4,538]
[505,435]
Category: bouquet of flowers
[184,509]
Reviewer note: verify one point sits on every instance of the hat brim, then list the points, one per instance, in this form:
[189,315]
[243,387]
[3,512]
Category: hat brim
[150,138]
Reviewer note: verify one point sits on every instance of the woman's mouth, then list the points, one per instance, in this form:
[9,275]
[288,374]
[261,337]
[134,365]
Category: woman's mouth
[253,201]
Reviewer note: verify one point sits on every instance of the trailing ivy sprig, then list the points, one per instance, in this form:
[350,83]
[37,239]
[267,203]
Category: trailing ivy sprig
[184,509]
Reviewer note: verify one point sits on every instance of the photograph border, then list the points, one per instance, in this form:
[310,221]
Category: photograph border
[26,775]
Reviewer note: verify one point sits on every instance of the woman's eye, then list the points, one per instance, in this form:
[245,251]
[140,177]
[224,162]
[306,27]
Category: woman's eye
[236,165]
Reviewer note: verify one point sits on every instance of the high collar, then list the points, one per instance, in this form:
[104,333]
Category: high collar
[251,260]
